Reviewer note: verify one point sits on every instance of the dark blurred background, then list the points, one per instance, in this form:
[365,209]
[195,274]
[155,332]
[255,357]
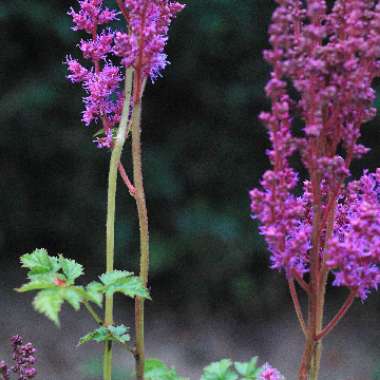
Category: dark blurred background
[204,149]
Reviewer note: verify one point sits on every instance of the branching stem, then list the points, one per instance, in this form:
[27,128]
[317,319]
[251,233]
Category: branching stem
[339,315]
[301,282]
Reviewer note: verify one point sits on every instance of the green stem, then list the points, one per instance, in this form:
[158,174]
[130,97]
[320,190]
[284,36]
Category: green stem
[110,228]
[144,236]
[93,313]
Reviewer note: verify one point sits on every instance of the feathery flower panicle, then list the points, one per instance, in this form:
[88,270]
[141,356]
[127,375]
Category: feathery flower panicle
[354,250]
[331,57]
[91,15]
[140,46]
[143,45]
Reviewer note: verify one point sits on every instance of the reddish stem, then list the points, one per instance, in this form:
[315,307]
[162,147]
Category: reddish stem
[139,64]
[127,181]
[340,314]
[301,282]
[297,305]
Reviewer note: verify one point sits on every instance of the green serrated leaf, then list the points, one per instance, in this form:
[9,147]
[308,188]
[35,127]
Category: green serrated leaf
[49,303]
[35,285]
[112,333]
[219,371]
[40,262]
[248,370]
[98,335]
[154,369]
[45,277]
[71,269]
[111,277]
[94,293]
[73,295]
[123,282]
[119,333]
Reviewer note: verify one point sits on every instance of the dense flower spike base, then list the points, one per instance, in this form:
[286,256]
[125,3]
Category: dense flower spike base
[330,56]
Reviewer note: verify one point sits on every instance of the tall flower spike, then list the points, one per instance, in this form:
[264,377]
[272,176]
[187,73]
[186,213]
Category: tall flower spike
[331,57]
[141,47]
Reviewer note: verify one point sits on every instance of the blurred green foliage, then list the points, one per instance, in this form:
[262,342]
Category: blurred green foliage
[204,149]
[93,369]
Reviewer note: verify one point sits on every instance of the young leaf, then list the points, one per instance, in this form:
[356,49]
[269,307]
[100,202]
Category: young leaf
[219,371]
[49,302]
[40,262]
[71,269]
[248,370]
[119,333]
[113,333]
[98,335]
[154,369]
[123,282]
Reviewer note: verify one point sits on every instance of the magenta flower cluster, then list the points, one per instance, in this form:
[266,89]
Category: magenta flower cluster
[143,45]
[140,46]
[24,357]
[270,373]
[329,57]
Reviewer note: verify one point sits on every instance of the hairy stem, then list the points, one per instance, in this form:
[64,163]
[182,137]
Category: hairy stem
[110,227]
[144,236]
